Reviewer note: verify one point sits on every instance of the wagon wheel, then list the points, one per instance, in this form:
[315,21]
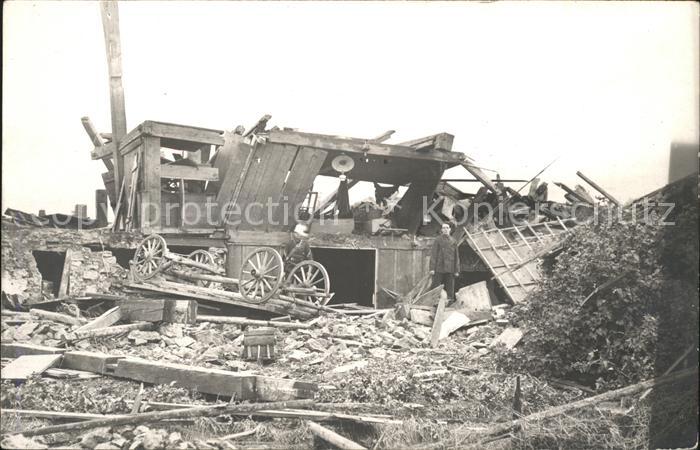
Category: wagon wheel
[261,275]
[309,275]
[149,257]
[202,257]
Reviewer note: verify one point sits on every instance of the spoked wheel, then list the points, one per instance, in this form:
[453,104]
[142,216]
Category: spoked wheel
[309,275]
[261,275]
[202,257]
[149,257]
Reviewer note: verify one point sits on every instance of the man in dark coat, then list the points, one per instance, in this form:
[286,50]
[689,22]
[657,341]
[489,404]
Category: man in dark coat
[444,261]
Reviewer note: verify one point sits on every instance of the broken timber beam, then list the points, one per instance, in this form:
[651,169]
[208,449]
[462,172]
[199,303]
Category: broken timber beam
[132,419]
[56,317]
[502,428]
[481,176]
[262,323]
[333,437]
[105,320]
[109,331]
[58,415]
[595,186]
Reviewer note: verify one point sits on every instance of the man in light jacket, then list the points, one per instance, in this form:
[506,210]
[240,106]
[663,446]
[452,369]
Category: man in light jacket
[444,261]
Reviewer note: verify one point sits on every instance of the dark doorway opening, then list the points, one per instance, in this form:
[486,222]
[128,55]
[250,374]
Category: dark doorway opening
[50,265]
[351,273]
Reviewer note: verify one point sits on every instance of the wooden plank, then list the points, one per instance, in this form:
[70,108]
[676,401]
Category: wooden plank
[108,181]
[182,132]
[272,179]
[56,317]
[55,415]
[94,362]
[110,24]
[149,213]
[430,298]
[129,147]
[64,287]
[359,146]
[481,176]
[208,381]
[437,323]
[440,141]
[201,173]
[246,321]
[386,262]
[15,350]
[92,132]
[145,310]
[109,331]
[509,337]
[263,183]
[103,152]
[155,417]
[333,437]
[271,389]
[110,317]
[235,174]
[28,365]
[301,177]
[222,158]
[595,186]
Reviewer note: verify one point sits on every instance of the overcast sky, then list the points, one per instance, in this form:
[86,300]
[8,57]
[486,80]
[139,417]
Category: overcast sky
[605,87]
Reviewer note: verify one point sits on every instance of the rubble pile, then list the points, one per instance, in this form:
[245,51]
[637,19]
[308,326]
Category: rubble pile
[94,271]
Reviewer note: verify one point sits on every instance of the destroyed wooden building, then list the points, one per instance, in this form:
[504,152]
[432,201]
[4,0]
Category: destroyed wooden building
[202,188]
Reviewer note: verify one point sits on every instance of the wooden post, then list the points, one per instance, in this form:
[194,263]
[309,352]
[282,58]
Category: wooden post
[110,24]
[150,197]
[101,206]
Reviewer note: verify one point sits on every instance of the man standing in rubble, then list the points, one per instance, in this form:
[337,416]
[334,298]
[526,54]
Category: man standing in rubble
[297,248]
[444,261]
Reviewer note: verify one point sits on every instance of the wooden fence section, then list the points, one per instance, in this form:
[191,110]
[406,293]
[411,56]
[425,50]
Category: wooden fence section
[510,254]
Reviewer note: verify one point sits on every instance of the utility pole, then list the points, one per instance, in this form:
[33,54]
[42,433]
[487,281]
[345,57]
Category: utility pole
[110,25]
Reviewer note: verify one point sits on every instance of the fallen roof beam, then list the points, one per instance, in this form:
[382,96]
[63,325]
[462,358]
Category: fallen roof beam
[595,186]
[360,146]
[481,176]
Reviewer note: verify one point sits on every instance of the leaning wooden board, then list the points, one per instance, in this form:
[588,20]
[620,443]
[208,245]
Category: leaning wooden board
[301,176]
